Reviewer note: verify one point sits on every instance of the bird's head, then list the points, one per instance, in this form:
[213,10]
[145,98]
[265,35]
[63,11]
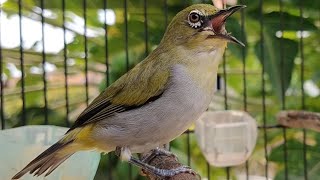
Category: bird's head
[201,27]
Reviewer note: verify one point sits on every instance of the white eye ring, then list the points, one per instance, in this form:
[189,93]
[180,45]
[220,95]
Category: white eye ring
[191,22]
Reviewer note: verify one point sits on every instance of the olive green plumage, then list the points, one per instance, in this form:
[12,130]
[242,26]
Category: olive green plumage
[148,78]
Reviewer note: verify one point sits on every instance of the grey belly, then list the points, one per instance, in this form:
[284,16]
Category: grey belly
[158,122]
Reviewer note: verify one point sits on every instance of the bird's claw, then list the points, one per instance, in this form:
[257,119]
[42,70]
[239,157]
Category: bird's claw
[118,151]
[173,172]
[157,152]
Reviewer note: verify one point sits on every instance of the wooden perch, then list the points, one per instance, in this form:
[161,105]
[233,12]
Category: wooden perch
[168,162]
[299,119]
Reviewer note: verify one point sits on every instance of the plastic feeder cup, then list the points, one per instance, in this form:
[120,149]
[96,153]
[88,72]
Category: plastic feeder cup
[21,145]
[226,138]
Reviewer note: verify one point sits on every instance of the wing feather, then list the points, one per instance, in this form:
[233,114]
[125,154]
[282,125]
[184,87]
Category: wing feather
[141,85]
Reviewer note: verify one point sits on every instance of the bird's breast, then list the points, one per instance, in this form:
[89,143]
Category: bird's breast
[162,120]
[169,116]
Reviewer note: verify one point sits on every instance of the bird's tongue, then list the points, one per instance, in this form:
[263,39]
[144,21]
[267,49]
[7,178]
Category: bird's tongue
[217,24]
[218,20]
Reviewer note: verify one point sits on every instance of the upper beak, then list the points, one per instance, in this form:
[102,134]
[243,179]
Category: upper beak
[218,20]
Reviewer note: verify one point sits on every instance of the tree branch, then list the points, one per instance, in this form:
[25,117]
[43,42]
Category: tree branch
[168,162]
[299,119]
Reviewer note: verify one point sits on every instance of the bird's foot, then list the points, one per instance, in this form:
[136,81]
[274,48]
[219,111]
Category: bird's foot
[157,152]
[161,172]
[143,164]
[118,151]
[173,172]
[123,153]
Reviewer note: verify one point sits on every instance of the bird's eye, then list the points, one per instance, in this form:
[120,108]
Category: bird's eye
[194,19]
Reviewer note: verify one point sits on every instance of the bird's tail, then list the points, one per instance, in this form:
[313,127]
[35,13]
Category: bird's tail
[56,154]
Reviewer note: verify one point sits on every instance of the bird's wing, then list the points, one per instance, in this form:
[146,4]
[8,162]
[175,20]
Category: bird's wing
[141,85]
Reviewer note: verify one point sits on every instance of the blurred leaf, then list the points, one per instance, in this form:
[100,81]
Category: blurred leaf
[36,116]
[122,171]
[290,22]
[295,160]
[306,4]
[278,66]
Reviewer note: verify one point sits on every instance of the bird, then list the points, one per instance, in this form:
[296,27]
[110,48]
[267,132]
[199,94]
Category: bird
[157,100]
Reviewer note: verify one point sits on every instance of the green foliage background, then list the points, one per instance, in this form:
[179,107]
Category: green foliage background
[281,57]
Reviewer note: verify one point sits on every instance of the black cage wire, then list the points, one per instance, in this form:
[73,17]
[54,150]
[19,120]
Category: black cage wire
[22,56]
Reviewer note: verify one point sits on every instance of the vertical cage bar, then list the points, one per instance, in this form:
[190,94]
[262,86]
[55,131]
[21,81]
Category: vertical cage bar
[208,171]
[105,6]
[224,66]
[263,89]
[23,98]
[188,148]
[244,76]
[65,50]
[225,90]
[225,100]
[146,36]
[44,75]
[107,73]
[166,13]
[283,100]
[85,50]
[243,56]
[127,55]
[301,47]
[126,33]
[227,173]
[3,123]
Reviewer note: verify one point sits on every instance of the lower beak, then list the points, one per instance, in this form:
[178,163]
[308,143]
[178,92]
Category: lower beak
[218,20]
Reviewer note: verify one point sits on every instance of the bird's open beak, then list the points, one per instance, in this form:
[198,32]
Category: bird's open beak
[217,23]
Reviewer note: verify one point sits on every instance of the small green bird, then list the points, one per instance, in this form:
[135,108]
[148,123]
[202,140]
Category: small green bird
[154,102]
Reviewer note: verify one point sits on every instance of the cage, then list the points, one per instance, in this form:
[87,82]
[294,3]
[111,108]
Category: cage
[56,56]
